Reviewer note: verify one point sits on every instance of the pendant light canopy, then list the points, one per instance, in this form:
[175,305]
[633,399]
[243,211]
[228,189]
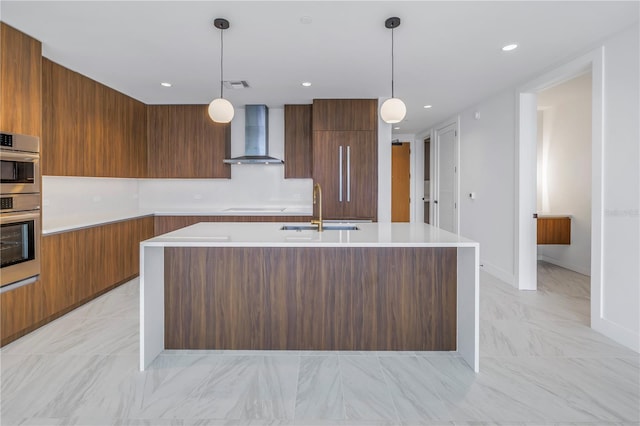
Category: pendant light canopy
[220,109]
[393,109]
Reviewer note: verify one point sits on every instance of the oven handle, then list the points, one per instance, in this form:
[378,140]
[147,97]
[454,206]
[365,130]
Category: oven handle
[19,156]
[19,217]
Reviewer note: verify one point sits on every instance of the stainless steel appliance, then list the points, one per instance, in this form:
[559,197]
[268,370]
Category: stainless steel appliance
[19,209]
[19,237]
[20,164]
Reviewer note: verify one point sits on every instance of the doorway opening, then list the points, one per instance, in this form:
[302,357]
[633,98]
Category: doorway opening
[563,196]
[400,182]
[445,196]
[527,167]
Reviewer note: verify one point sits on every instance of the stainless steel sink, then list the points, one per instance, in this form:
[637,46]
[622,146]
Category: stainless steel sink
[336,227]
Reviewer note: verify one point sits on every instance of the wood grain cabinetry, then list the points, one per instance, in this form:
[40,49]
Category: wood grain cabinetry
[345,157]
[164,224]
[77,266]
[183,142]
[345,114]
[554,230]
[306,298]
[90,129]
[20,82]
[297,141]
[345,164]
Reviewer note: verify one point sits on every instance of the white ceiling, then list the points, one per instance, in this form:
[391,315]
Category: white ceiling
[447,53]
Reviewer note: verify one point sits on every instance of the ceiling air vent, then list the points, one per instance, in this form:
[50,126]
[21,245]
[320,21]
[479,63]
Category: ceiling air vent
[235,85]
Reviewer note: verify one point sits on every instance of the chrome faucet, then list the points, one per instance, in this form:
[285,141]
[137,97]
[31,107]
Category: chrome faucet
[317,199]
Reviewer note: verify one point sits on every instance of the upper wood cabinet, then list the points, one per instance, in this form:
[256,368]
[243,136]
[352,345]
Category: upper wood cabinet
[20,82]
[90,129]
[183,142]
[297,141]
[345,114]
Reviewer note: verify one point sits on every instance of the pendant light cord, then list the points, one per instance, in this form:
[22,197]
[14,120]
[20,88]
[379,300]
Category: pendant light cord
[392,62]
[221,61]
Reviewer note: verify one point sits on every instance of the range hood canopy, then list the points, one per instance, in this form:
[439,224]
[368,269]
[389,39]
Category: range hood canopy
[256,138]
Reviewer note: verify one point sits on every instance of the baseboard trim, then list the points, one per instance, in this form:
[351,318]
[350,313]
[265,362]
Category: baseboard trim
[616,332]
[572,267]
[499,273]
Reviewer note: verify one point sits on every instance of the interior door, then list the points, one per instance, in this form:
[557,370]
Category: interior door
[427,180]
[400,177]
[447,203]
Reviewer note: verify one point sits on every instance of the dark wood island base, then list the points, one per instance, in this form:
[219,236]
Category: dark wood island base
[310,298]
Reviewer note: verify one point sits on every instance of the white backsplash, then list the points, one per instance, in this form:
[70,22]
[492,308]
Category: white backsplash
[255,185]
[81,200]
[64,196]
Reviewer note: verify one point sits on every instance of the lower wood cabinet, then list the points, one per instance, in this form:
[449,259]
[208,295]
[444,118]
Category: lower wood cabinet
[77,266]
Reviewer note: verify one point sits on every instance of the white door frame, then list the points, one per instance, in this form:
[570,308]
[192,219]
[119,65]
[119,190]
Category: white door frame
[435,146]
[526,142]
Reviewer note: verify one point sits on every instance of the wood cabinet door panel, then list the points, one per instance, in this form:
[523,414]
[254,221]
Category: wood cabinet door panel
[183,142]
[90,129]
[361,170]
[327,168]
[21,77]
[345,114]
[297,141]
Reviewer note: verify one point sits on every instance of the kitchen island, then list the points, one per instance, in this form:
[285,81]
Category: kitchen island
[254,286]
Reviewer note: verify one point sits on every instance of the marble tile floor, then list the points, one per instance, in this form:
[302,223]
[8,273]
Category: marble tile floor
[540,365]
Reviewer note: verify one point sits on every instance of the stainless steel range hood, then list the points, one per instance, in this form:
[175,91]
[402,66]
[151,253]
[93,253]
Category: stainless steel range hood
[256,138]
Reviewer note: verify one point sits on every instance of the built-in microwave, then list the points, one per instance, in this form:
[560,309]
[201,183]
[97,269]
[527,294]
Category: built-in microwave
[19,237]
[20,164]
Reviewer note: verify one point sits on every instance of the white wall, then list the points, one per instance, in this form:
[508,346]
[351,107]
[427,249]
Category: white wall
[620,314]
[487,169]
[564,168]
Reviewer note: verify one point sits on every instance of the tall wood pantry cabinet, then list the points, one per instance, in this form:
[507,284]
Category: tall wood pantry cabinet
[345,157]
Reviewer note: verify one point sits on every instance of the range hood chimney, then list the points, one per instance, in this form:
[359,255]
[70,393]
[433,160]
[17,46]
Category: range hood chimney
[256,137]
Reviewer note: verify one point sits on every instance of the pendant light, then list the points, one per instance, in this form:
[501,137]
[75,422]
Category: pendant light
[220,109]
[393,109]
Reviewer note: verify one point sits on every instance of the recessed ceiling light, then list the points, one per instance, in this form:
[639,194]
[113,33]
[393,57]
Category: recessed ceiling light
[509,47]
[165,84]
[306,83]
[427,106]
[396,128]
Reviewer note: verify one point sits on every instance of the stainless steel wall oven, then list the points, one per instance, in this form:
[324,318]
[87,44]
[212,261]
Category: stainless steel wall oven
[20,221]
[20,164]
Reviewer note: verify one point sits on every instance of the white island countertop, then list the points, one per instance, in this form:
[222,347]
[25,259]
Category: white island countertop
[271,235]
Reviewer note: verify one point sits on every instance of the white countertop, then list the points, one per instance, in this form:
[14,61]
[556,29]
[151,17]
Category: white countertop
[270,235]
[553,216]
[74,222]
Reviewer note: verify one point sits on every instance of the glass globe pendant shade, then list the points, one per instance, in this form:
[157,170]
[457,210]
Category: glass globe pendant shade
[393,110]
[221,110]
